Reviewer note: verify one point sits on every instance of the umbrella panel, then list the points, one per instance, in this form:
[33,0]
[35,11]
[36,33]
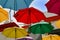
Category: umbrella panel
[14,32]
[40,28]
[3,26]
[29,15]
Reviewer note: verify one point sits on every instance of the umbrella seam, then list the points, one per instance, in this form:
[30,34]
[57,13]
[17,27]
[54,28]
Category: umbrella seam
[26,3]
[21,31]
[36,16]
[9,33]
[5,3]
[55,37]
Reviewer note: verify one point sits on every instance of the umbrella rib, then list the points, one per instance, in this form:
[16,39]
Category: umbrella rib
[15,2]
[36,16]
[3,12]
[15,33]
[55,37]
[5,3]
[26,3]
[21,31]
[49,28]
[21,15]
[9,32]
[35,29]
[14,6]
[40,27]
[50,37]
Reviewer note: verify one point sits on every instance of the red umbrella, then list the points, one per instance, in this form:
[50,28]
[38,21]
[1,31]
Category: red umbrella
[29,15]
[50,19]
[54,18]
[53,6]
[3,26]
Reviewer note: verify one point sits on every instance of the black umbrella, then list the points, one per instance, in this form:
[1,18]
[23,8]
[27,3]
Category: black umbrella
[56,31]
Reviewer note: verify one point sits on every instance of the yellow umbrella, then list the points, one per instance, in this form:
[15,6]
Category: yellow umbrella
[51,37]
[57,23]
[14,32]
[3,15]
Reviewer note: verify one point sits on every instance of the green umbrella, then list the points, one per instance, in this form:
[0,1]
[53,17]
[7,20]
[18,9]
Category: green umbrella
[41,28]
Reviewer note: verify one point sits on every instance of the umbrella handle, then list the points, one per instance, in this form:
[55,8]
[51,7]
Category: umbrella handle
[10,15]
[40,37]
[50,37]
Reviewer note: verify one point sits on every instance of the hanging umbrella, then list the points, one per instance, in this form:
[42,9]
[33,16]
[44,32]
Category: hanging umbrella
[53,18]
[51,37]
[49,19]
[53,6]
[50,3]
[15,4]
[14,32]
[29,15]
[3,15]
[3,26]
[57,23]
[56,31]
[25,39]
[41,28]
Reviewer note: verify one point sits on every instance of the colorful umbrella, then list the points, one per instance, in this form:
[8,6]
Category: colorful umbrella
[3,15]
[57,23]
[25,39]
[29,15]
[49,19]
[15,4]
[40,28]
[53,18]
[56,31]
[3,26]
[50,3]
[14,32]
[51,37]
[53,6]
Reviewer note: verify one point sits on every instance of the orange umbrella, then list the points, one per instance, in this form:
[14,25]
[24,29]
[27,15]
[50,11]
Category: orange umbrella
[51,37]
[3,15]
[57,23]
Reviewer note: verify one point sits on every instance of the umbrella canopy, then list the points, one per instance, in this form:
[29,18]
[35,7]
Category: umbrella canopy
[57,23]
[25,39]
[29,15]
[53,18]
[3,15]
[15,4]
[51,37]
[25,27]
[14,32]
[3,26]
[53,6]
[41,28]
[56,31]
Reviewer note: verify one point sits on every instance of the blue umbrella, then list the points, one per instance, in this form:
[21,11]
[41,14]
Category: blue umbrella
[15,4]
